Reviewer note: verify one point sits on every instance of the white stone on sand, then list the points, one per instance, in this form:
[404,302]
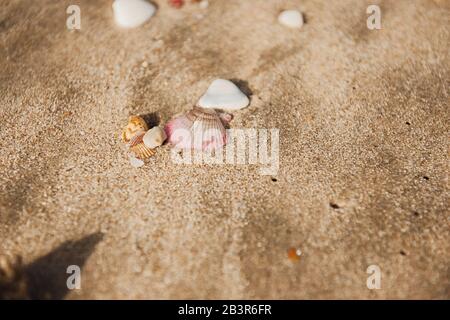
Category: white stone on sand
[223,94]
[132,13]
[154,137]
[135,162]
[291,19]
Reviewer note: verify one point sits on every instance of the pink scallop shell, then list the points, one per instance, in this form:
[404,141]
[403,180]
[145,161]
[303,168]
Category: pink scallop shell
[198,129]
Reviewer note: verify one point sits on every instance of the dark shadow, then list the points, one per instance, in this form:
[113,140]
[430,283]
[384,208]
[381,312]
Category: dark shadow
[334,205]
[152,119]
[47,277]
[243,86]
[156,6]
[305,18]
[3,25]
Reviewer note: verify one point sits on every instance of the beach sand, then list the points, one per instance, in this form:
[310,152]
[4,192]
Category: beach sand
[363,178]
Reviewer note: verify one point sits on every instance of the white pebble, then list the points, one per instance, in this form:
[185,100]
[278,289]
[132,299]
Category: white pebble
[135,162]
[291,19]
[154,137]
[132,13]
[204,4]
[223,94]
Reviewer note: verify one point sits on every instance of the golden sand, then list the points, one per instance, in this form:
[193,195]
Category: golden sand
[363,178]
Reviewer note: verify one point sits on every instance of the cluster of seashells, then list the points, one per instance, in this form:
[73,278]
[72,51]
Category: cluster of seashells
[201,128]
[141,141]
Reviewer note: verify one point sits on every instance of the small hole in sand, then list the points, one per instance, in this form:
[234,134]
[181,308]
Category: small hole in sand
[334,205]
[274,179]
[426,178]
[408,123]
[403,253]
[416,214]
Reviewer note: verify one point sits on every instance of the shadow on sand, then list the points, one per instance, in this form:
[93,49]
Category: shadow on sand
[47,275]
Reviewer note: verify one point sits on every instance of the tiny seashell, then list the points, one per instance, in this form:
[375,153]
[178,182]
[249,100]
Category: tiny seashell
[154,137]
[135,125]
[135,162]
[199,129]
[225,117]
[139,149]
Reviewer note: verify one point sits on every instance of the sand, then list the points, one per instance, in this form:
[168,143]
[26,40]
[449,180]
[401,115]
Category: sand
[363,179]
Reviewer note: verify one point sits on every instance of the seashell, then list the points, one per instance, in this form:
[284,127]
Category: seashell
[135,125]
[291,19]
[154,137]
[223,94]
[139,149]
[135,162]
[132,13]
[199,129]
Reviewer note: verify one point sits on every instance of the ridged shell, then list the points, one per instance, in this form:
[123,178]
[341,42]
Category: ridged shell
[140,150]
[200,129]
[135,125]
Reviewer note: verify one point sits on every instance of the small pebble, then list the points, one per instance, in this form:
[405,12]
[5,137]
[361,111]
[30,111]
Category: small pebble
[204,4]
[135,162]
[132,13]
[294,254]
[291,19]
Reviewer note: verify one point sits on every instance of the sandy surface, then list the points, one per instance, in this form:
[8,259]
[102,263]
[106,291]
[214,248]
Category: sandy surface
[363,179]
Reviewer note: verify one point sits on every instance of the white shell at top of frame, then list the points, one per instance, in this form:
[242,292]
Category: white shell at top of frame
[132,13]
